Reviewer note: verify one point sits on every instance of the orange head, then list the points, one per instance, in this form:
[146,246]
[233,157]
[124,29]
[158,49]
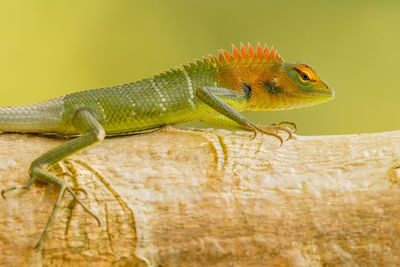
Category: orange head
[268,81]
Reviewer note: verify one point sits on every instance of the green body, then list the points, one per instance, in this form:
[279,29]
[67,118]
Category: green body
[167,98]
[164,99]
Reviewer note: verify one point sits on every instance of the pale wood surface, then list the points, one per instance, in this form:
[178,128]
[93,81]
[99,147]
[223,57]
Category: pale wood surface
[208,198]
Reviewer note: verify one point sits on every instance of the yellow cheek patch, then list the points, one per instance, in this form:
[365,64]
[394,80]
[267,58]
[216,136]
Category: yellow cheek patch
[307,70]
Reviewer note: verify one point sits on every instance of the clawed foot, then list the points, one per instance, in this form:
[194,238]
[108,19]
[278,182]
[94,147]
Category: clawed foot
[273,130]
[61,193]
[289,127]
[4,191]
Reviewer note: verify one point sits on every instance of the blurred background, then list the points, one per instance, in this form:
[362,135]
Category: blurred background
[50,48]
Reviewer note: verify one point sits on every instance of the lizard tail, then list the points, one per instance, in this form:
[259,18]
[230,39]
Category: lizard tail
[38,118]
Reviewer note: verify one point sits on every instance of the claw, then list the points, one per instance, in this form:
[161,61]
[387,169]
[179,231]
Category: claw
[289,132]
[271,134]
[292,124]
[281,126]
[6,190]
[254,133]
[253,129]
[28,184]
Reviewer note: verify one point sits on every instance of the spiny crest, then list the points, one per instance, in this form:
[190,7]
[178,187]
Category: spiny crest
[245,55]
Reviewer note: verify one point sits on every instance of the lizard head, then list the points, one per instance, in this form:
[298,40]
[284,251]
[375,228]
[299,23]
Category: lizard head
[291,85]
[268,81]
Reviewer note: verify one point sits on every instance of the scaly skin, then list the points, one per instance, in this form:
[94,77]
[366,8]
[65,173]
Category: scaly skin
[213,90]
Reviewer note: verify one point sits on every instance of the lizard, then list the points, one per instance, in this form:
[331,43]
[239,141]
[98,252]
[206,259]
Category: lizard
[214,90]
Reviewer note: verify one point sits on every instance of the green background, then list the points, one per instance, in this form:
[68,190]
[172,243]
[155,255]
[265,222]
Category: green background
[50,48]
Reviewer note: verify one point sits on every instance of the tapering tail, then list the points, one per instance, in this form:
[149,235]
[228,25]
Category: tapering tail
[45,117]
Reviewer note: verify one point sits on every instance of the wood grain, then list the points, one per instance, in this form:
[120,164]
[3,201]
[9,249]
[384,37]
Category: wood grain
[208,198]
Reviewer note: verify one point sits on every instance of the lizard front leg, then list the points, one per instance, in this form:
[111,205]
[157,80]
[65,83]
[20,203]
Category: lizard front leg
[213,98]
[92,132]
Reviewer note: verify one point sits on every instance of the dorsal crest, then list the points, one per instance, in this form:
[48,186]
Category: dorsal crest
[245,55]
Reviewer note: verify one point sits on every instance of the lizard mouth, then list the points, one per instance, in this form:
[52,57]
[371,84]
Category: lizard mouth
[324,93]
[327,93]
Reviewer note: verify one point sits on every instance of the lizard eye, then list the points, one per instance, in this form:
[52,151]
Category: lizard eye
[304,76]
[306,73]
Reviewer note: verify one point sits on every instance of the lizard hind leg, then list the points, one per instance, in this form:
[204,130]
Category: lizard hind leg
[92,132]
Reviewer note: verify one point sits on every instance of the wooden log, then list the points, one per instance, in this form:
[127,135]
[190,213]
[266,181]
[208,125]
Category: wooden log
[208,198]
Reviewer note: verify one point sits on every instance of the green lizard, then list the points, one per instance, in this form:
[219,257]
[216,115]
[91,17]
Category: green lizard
[214,90]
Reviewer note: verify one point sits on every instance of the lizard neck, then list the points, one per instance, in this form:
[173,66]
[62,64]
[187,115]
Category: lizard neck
[257,79]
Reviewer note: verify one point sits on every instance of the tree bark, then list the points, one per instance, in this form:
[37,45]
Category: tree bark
[207,198]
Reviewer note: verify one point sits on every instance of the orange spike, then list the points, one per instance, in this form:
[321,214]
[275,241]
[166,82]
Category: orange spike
[221,57]
[206,61]
[266,52]
[227,55]
[272,53]
[251,50]
[213,59]
[243,55]
[243,51]
[259,52]
[235,52]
